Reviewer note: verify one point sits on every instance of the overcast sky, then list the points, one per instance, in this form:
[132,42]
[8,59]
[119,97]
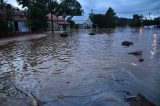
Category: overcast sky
[123,8]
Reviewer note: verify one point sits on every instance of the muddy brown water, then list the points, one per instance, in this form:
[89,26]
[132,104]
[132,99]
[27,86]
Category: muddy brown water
[84,69]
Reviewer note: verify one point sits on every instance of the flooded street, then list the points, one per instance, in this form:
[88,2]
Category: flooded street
[82,69]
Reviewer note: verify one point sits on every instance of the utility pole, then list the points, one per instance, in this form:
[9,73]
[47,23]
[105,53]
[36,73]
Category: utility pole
[149,15]
[52,22]
[51,12]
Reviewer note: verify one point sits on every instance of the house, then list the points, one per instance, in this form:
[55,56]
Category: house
[19,22]
[83,21]
[58,23]
[2,13]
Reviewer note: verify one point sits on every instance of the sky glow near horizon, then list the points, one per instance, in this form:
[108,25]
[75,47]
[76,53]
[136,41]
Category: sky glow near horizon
[123,8]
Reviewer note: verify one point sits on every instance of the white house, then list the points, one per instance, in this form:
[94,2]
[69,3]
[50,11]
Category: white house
[83,21]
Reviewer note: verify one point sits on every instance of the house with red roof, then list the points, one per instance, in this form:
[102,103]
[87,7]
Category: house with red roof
[58,23]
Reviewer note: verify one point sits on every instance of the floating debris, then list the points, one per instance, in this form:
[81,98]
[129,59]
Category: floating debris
[92,33]
[141,60]
[63,34]
[140,100]
[136,53]
[68,82]
[126,43]
[134,64]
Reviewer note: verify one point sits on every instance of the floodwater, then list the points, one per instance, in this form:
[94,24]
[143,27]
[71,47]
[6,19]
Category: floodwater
[83,69]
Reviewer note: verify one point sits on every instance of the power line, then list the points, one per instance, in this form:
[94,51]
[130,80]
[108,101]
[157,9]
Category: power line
[127,12]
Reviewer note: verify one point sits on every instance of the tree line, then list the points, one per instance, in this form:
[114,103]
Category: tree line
[111,20]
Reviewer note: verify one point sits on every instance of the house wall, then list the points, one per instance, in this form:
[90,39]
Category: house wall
[55,26]
[82,22]
[22,27]
[67,27]
[85,26]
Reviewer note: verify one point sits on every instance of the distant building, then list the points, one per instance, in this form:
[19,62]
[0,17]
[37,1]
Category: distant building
[58,23]
[83,22]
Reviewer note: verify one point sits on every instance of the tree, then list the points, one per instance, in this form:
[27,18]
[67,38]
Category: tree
[157,21]
[53,7]
[99,19]
[5,18]
[136,21]
[38,19]
[24,3]
[70,7]
[111,18]
[37,11]
[107,20]
[122,21]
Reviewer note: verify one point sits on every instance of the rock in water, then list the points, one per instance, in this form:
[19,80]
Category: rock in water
[63,34]
[141,60]
[136,53]
[126,43]
[92,33]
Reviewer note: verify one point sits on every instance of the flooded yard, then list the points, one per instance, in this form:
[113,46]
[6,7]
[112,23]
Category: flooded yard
[81,69]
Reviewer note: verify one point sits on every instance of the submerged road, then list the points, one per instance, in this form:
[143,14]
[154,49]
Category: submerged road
[82,69]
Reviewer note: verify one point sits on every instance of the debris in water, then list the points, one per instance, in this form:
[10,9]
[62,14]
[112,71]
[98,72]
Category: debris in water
[63,34]
[140,100]
[141,60]
[133,64]
[126,43]
[68,82]
[92,33]
[136,53]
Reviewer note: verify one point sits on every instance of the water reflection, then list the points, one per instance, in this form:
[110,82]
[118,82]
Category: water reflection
[155,45]
[105,31]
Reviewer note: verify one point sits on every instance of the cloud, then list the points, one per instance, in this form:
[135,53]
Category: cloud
[123,8]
